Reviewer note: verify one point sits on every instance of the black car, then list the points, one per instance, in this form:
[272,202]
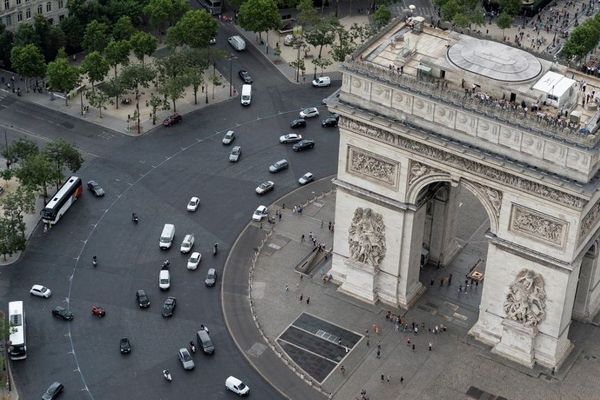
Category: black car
[62,313]
[245,76]
[53,391]
[298,123]
[329,122]
[125,346]
[172,120]
[169,307]
[303,145]
[142,298]
[95,188]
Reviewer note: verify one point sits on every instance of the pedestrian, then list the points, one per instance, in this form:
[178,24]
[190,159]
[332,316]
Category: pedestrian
[368,343]
[413,347]
[379,356]
[432,282]
[283,206]
[388,378]
[280,215]
[308,300]
[302,238]
[343,370]
[441,282]
[430,346]
[416,330]
[329,225]
[287,288]
[413,325]
[301,296]
[321,224]
[459,288]
[476,283]
[382,378]
[450,280]
[294,210]
[408,341]
[401,379]
[436,330]
[379,346]
[310,235]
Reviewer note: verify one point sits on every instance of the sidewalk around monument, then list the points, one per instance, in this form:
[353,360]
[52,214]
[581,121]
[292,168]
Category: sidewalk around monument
[456,364]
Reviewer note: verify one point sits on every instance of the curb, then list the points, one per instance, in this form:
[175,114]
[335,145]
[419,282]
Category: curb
[254,257]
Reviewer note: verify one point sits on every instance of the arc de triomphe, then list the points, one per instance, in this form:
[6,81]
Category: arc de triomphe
[424,112]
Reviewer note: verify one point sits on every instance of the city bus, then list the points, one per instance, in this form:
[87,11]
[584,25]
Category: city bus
[16,319]
[62,200]
[212,6]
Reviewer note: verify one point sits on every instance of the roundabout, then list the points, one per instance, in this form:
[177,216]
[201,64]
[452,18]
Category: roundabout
[155,176]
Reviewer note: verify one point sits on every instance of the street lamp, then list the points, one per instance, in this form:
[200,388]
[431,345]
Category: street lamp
[297,33]
[231,57]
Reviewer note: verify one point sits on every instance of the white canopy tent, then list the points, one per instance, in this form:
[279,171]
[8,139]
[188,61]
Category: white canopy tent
[556,88]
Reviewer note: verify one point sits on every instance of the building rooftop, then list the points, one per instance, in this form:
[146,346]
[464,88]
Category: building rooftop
[487,77]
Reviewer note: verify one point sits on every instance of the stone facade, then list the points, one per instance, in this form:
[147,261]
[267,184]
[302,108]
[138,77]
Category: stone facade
[402,149]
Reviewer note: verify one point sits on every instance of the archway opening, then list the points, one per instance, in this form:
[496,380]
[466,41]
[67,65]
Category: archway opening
[451,223]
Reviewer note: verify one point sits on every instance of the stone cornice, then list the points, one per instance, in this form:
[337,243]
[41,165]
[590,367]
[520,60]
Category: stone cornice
[462,163]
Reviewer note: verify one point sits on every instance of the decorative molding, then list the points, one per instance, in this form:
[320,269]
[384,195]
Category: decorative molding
[494,196]
[538,226]
[419,170]
[366,237]
[526,298]
[373,167]
[589,221]
[464,164]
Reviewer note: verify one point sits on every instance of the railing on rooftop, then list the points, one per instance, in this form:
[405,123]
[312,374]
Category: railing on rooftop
[531,121]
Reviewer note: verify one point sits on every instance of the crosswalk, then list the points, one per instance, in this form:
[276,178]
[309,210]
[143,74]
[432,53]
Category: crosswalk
[423,10]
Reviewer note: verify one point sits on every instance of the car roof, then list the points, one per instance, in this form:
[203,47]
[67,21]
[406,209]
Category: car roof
[261,208]
[212,270]
[39,287]
[233,380]
[164,273]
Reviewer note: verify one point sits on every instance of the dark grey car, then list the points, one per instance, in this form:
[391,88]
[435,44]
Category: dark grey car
[278,166]
[53,391]
[211,277]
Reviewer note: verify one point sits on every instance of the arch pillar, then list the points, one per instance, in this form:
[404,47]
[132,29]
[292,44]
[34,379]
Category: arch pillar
[442,243]
[587,298]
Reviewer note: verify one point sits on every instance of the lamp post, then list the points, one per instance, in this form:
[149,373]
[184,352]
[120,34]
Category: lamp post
[297,33]
[231,57]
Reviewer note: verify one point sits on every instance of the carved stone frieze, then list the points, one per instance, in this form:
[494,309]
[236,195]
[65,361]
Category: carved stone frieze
[538,226]
[419,170]
[456,161]
[526,299]
[366,237]
[589,221]
[373,167]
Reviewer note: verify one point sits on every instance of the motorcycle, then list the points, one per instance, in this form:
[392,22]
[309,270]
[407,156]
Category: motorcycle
[94,261]
[134,218]
[167,375]
[165,264]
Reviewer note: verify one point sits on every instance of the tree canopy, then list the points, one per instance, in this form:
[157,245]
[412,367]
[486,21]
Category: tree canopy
[259,16]
[461,13]
[62,77]
[95,37]
[195,29]
[143,44]
[28,61]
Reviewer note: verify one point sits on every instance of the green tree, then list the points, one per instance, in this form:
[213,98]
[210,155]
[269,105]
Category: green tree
[36,172]
[62,76]
[50,37]
[157,103]
[504,21]
[98,99]
[381,17]
[461,13]
[259,16]
[172,76]
[135,77]
[307,14]
[114,88]
[25,35]
[322,34]
[343,45]
[117,53]
[28,61]
[20,150]
[174,89]
[6,44]
[123,29]
[73,30]
[12,225]
[134,9]
[164,13]
[143,44]
[95,67]
[197,62]
[322,63]
[62,154]
[95,37]
[582,39]
[511,7]
[195,29]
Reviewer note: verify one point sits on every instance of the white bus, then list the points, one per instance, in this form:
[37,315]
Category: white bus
[212,6]
[16,319]
[62,200]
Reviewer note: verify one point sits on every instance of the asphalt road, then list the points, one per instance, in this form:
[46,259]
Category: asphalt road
[154,175]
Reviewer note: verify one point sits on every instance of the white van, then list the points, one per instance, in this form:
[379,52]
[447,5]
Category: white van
[166,237]
[237,42]
[246,95]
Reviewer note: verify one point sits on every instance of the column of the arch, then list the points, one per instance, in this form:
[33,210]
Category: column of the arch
[409,286]
[443,246]
[587,299]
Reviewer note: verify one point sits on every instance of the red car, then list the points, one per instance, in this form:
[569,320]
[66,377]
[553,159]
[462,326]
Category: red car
[172,120]
[98,311]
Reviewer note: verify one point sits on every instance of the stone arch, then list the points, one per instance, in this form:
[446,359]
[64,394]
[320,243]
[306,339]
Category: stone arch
[476,189]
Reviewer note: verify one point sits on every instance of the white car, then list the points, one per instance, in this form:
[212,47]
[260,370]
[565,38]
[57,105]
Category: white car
[323,81]
[186,359]
[193,204]
[40,291]
[194,260]
[187,244]
[260,213]
[309,112]
[164,279]
[236,386]
[307,177]
[229,137]
[265,187]
[290,138]
[235,154]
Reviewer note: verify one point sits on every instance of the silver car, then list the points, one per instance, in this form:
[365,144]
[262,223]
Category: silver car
[186,359]
[235,154]
[309,112]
